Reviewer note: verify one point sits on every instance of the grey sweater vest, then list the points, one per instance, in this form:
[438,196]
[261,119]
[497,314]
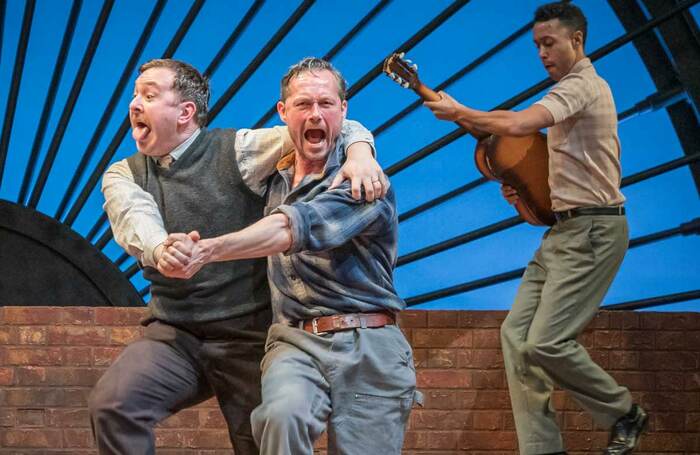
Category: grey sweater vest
[204,191]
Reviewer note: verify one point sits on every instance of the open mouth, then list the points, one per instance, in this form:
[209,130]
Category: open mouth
[139,130]
[314,136]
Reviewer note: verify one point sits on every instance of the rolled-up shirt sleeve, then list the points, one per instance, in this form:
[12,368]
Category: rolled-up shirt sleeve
[333,218]
[136,222]
[259,150]
[571,95]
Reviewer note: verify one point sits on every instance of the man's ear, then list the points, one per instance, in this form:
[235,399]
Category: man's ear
[578,38]
[344,107]
[282,111]
[187,112]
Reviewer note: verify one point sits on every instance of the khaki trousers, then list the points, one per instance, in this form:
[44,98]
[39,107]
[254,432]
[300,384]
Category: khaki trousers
[560,293]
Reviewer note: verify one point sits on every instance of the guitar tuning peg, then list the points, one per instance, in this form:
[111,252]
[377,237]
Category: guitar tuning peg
[400,80]
[393,76]
[402,54]
[415,66]
[409,61]
[405,84]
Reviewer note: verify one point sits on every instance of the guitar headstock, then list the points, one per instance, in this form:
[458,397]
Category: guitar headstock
[402,71]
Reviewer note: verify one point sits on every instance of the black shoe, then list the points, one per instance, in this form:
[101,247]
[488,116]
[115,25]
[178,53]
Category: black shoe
[626,432]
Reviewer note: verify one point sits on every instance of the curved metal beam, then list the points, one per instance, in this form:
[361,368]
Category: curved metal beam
[50,98]
[70,103]
[11,105]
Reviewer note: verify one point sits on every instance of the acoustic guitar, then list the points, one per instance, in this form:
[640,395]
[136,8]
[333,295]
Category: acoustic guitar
[520,162]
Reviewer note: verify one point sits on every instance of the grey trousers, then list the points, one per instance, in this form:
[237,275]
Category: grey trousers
[360,382]
[560,293]
[170,369]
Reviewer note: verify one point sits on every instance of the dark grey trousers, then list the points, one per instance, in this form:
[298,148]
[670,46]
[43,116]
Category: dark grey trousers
[170,369]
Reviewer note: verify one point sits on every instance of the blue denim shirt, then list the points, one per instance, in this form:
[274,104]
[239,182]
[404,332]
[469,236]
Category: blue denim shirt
[343,251]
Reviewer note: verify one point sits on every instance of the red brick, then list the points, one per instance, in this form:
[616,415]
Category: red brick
[8,417]
[692,422]
[68,418]
[669,361]
[488,420]
[442,338]
[443,440]
[8,335]
[624,360]
[487,338]
[481,319]
[187,418]
[75,335]
[416,440]
[29,315]
[77,315]
[487,440]
[35,396]
[636,381]
[449,399]
[32,335]
[486,359]
[7,376]
[30,417]
[28,438]
[692,381]
[119,316]
[671,401]
[602,358]
[211,418]
[662,442]
[667,381]
[586,441]
[33,356]
[78,438]
[421,358]
[668,421]
[105,356]
[443,379]
[492,399]
[124,335]
[671,341]
[413,319]
[579,421]
[449,319]
[625,320]
[442,358]
[638,340]
[426,419]
[77,397]
[600,321]
[608,339]
[77,356]
[488,379]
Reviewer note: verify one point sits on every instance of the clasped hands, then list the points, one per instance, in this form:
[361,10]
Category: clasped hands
[181,255]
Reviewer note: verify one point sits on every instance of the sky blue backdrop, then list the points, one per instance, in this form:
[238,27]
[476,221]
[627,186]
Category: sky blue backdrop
[664,202]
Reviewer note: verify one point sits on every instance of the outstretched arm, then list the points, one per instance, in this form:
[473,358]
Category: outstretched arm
[502,123]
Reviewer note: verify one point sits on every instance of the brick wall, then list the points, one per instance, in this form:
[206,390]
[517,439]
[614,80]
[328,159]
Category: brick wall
[50,357]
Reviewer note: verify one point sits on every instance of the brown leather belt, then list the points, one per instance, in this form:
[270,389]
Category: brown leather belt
[338,322]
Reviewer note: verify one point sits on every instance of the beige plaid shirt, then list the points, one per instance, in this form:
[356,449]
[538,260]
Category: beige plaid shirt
[584,149]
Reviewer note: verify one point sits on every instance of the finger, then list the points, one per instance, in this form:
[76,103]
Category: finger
[171,261]
[378,189]
[194,235]
[386,183]
[339,177]
[183,247]
[164,266]
[177,254]
[369,189]
[355,186]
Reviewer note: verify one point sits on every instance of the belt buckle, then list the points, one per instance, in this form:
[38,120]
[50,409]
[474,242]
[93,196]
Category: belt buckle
[314,327]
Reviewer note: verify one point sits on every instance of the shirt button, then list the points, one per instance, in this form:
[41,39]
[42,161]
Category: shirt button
[293,277]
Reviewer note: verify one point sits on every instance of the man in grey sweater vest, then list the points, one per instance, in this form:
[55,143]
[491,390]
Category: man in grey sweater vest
[204,336]
[334,354]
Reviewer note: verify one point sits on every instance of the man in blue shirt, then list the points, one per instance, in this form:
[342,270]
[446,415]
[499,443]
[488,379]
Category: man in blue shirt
[334,354]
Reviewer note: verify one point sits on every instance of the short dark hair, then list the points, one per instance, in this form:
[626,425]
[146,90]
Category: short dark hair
[311,64]
[568,14]
[188,83]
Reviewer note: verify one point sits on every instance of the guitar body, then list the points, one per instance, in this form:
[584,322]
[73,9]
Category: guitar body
[522,163]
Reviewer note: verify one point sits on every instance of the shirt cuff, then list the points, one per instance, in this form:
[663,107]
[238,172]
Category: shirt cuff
[149,247]
[297,227]
[558,111]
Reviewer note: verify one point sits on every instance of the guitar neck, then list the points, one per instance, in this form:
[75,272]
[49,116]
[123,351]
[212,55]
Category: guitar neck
[428,94]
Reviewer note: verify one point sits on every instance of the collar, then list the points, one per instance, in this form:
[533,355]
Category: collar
[178,151]
[581,65]
[332,161]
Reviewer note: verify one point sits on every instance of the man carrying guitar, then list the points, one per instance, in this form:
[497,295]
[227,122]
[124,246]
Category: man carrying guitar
[579,256]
